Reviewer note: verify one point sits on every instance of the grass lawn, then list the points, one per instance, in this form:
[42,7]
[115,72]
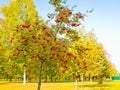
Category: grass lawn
[113,85]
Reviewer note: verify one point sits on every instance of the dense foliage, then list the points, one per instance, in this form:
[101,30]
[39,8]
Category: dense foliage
[56,49]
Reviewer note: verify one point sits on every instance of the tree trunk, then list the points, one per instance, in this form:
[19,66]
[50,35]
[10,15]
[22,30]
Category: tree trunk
[76,85]
[46,78]
[100,79]
[10,79]
[24,76]
[39,76]
[51,79]
[29,76]
[90,77]
[82,78]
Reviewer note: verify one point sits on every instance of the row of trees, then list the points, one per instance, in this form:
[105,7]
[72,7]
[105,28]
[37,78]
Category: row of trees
[57,49]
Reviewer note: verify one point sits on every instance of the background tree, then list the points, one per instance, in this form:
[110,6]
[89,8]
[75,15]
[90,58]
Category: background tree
[15,13]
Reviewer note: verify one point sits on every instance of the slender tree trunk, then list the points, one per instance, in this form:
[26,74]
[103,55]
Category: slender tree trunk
[10,79]
[46,78]
[76,85]
[24,76]
[29,76]
[82,78]
[39,76]
[51,78]
[90,77]
[100,79]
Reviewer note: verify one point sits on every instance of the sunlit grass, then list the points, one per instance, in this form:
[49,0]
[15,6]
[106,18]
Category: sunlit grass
[113,85]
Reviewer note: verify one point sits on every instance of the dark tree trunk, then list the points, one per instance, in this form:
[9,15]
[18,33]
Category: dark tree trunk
[46,78]
[100,78]
[10,79]
[39,76]
[51,79]
[29,76]
[29,79]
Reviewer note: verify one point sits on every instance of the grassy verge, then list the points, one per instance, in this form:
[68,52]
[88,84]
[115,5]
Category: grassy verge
[111,85]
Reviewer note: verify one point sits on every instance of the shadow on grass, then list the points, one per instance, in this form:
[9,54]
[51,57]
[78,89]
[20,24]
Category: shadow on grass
[4,83]
[59,81]
[97,85]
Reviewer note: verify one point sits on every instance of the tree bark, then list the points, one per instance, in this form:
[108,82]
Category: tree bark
[100,79]
[10,80]
[39,76]
[29,76]
[46,78]
[24,76]
[90,77]
[76,85]
[51,79]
